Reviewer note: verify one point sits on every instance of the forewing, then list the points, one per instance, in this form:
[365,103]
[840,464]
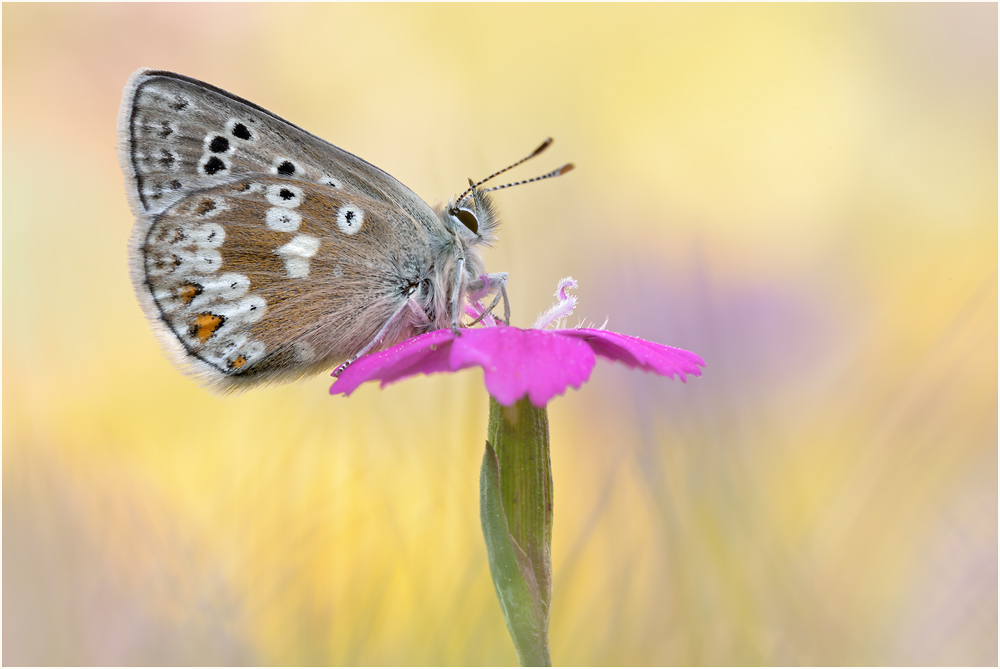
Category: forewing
[178,135]
[263,279]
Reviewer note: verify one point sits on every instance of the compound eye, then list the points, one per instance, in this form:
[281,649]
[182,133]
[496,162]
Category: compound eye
[467,218]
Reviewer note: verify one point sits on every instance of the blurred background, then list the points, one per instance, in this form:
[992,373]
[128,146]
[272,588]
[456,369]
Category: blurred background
[806,196]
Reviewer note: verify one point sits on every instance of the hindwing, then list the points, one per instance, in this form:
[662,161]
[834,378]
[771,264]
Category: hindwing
[266,279]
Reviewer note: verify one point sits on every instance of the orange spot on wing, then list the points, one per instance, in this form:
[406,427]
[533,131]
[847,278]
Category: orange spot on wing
[238,362]
[206,325]
[188,291]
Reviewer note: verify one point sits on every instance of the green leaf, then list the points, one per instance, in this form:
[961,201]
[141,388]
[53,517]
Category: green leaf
[515,484]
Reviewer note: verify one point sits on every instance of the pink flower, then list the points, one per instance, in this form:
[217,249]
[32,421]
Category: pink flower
[536,363]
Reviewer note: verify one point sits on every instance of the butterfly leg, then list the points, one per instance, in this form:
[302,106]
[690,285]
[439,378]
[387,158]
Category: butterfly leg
[412,304]
[456,293]
[494,282]
[501,278]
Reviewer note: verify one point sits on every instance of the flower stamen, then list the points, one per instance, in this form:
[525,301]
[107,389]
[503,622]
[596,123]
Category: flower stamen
[558,312]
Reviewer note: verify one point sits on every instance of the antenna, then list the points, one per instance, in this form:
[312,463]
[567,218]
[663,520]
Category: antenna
[554,173]
[544,145]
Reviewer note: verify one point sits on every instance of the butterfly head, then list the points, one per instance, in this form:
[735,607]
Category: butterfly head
[473,218]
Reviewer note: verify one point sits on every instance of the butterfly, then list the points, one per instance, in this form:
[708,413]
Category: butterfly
[262,253]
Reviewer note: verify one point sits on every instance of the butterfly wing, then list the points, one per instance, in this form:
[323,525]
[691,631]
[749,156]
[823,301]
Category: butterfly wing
[250,282]
[178,134]
[260,251]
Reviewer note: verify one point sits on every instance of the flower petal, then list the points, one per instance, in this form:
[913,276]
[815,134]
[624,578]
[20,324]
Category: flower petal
[635,352]
[423,354]
[536,363]
[539,364]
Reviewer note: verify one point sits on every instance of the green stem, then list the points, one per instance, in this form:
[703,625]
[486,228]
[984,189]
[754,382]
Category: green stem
[515,485]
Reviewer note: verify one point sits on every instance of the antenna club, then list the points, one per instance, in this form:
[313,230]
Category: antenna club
[546,144]
[564,169]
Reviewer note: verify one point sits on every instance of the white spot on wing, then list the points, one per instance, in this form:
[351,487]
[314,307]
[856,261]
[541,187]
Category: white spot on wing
[225,288]
[208,236]
[296,255]
[350,219]
[248,310]
[282,220]
[203,261]
[223,352]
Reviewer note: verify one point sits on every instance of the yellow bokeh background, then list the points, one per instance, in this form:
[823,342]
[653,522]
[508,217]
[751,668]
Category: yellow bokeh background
[805,195]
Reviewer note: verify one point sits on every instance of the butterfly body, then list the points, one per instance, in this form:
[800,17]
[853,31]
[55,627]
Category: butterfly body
[262,253]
